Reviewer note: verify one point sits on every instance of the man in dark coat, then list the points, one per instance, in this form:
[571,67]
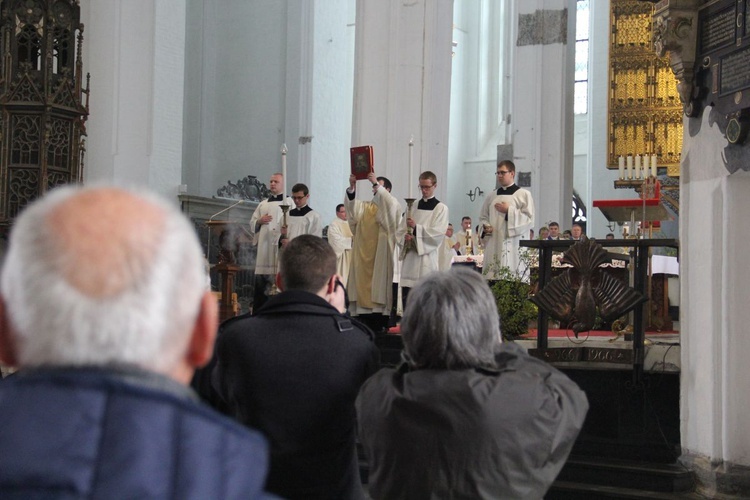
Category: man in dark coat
[465,416]
[293,371]
[103,309]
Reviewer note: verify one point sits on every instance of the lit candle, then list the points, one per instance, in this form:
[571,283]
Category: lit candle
[411,167]
[630,166]
[637,166]
[283,169]
[653,165]
[621,166]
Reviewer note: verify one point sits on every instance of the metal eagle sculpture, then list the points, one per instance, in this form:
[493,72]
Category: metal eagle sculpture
[574,297]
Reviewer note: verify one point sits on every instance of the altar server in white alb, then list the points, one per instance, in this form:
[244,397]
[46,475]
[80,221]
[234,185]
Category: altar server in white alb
[301,219]
[420,247]
[506,218]
[340,238]
[449,249]
[265,224]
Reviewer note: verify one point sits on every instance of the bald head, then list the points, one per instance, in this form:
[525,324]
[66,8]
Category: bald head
[100,276]
[112,231]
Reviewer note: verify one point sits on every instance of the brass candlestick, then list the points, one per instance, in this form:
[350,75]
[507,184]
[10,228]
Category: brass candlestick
[285,209]
[468,243]
[411,244]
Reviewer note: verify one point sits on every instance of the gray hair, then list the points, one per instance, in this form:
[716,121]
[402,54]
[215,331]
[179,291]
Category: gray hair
[145,318]
[451,322]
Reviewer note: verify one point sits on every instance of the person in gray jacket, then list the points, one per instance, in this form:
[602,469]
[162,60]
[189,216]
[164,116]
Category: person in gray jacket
[465,416]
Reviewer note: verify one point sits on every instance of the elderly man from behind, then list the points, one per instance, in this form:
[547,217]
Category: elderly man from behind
[465,416]
[104,311]
[293,371]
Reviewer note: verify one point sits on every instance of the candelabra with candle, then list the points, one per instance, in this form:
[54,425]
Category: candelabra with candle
[411,244]
[284,209]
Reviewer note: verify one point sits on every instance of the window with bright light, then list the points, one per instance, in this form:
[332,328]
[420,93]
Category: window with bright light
[581,91]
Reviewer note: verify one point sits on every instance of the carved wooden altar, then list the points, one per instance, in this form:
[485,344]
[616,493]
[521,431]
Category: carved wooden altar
[41,99]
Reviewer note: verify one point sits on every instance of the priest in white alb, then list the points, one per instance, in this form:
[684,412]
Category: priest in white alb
[506,218]
[374,225]
[265,226]
[421,235]
[340,238]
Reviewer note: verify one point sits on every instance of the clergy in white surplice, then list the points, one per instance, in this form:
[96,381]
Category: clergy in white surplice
[448,250]
[265,226]
[374,225]
[301,219]
[506,218]
[340,238]
[420,247]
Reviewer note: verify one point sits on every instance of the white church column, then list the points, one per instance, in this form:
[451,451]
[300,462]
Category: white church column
[402,88]
[542,104]
[714,313]
[135,51]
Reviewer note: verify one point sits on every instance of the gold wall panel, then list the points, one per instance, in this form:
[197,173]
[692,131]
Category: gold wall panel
[645,113]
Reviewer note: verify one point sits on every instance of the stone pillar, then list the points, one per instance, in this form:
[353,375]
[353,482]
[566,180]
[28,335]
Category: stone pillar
[135,52]
[542,104]
[402,88]
[714,278]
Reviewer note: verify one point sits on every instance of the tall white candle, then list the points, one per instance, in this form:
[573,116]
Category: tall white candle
[411,167]
[653,165]
[283,169]
[621,167]
[630,166]
[637,166]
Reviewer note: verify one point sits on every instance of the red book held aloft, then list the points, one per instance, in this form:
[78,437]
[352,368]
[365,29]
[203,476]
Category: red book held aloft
[362,161]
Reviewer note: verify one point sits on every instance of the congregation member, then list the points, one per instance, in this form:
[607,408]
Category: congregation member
[576,231]
[371,273]
[105,313]
[340,238]
[448,250]
[467,238]
[465,415]
[506,217]
[567,235]
[554,231]
[544,233]
[265,226]
[301,219]
[293,371]
[421,235]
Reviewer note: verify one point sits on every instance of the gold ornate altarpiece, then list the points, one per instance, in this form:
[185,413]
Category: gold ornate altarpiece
[645,112]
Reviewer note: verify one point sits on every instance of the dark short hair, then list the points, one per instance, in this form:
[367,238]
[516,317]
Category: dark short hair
[306,263]
[386,183]
[428,175]
[511,166]
[339,207]
[465,217]
[300,187]
[577,224]
[554,224]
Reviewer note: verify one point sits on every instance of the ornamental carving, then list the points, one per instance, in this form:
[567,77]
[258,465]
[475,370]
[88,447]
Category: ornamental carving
[42,126]
[249,188]
[676,34]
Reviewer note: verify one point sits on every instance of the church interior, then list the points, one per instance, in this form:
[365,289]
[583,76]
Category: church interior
[595,103]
